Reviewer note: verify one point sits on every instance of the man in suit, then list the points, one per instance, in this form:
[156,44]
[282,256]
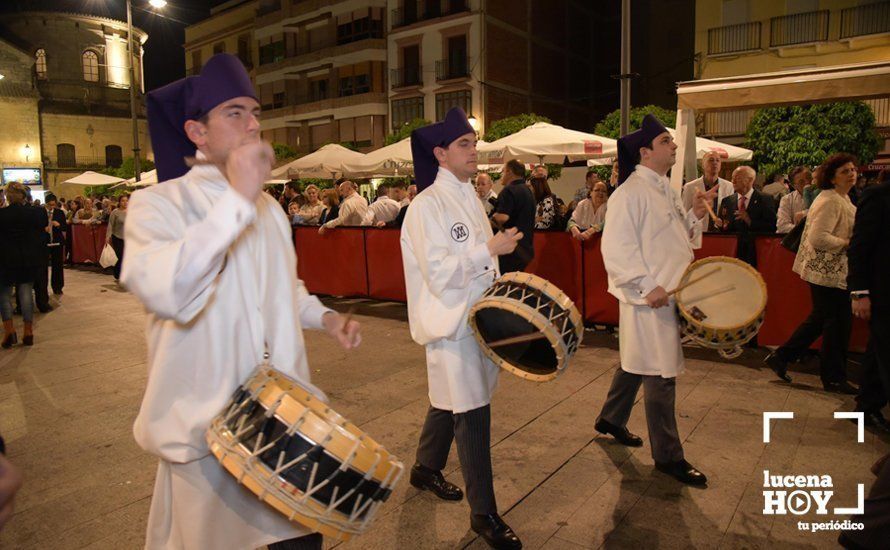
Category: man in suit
[746,212]
[58,228]
[868,280]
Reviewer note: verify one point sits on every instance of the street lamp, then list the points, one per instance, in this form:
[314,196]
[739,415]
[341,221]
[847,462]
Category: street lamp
[157,3]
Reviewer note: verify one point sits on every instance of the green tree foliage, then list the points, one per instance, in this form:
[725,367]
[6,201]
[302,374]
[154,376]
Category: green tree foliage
[405,130]
[283,151]
[610,126]
[127,169]
[785,137]
[512,124]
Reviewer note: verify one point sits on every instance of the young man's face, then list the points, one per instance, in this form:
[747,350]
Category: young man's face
[459,157]
[229,125]
[662,154]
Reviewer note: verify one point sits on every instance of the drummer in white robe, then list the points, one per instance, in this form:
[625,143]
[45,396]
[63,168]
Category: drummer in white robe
[210,257]
[647,245]
[450,259]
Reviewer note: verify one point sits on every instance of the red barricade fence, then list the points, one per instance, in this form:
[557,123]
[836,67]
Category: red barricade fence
[87,242]
[368,262]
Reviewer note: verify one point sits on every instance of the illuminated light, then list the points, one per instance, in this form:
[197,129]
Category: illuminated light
[157,3]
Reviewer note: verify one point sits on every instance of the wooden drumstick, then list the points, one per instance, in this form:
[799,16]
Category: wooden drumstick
[692,282]
[517,339]
[711,211]
[729,288]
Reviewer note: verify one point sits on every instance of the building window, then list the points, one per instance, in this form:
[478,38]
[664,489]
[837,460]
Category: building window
[461,98]
[272,53]
[219,47]
[354,85]
[40,61]
[65,154]
[318,89]
[244,50]
[406,110]
[114,156]
[352,29]
[196,63]
[90,66]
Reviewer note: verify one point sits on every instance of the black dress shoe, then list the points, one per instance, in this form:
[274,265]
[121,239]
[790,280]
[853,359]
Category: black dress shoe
[28,340]
[429,480]
[682,471]
[496,533]
[45,309]
[779,366]
[621,435]
[876,420]
[843,388]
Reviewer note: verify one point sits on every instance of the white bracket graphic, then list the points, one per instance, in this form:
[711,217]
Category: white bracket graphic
[767,416]
[860,509]
[860,423]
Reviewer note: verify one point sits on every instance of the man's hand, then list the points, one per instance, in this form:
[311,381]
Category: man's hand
[348,334]
[743,215]
[587,235]
[862,308]
[322,230]
[248,166]
[799,216]
[576,233]
[380,224]
[55,224]
[504,242]
[699,205]
[10,481]
[657,298]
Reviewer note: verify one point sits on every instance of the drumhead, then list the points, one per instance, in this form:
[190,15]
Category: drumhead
[495,323]
[732,298]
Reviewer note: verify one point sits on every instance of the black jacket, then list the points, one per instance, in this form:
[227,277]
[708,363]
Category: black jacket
[59,232]
[23,240]
[328,214]
[868,256]
[762,211]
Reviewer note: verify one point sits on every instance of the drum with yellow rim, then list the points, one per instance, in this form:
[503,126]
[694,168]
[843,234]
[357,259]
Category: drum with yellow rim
[521,304]
[724,305]
[298,455]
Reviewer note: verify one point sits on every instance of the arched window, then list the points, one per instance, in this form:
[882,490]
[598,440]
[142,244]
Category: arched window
[114,156]
[65,154]
[90,66]
[40,60]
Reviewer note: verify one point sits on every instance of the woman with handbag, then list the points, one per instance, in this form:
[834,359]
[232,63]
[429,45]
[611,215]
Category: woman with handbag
[822,262]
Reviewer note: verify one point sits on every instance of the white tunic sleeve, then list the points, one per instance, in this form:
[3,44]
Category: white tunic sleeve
[170,266]
[622,254]
[440,267]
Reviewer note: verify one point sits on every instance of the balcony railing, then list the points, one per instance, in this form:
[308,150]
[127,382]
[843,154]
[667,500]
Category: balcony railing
[865,20]
[268,6]
[799,28]
[406,76]
[743,37]
[453,67]
[422,10]
[80,162]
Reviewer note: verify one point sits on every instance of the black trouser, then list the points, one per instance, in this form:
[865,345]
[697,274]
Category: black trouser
[874,389]
[875,518]
[118,246]
[309,542]
[832,319]
[660,396]
[56,260]
[472,430]
[41,294]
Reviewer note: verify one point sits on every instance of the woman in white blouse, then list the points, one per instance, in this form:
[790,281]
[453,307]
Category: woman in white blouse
[311,211]
[589,216]
[822,262]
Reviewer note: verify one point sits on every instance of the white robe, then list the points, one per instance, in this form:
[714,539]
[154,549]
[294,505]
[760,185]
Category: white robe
[648,242]
[447,268]
[217,275]
[724,189]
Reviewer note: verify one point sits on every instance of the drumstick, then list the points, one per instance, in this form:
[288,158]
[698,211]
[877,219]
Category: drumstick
[711,211]
[709,295]
[692,281]
[517,339]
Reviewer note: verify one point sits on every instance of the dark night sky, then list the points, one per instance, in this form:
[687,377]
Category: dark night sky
[164,58]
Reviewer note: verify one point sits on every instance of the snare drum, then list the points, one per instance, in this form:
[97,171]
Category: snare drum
[519,304]
[725,309]
[301,457]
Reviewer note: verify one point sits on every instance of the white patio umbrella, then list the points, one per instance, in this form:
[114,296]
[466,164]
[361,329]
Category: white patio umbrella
[93,178]
[324,163]
[394,159]
[543,142]
[728,153]
[145,179]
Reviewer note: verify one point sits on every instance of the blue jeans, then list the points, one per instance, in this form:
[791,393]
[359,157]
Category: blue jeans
[25,293]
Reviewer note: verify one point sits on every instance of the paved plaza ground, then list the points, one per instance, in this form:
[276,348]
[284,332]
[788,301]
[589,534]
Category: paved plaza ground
[67,407]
